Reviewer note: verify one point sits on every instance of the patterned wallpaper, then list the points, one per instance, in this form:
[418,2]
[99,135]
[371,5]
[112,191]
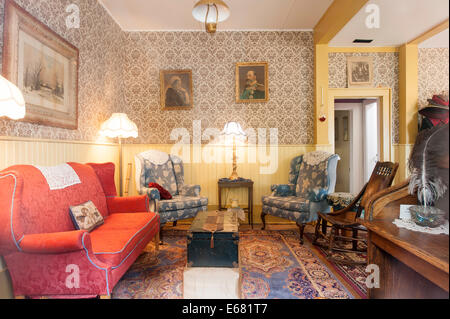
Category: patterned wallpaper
[100,90]
[433,73]
[212,59]
[386,73]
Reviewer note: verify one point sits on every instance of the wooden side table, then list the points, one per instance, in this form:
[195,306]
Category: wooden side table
[245,183]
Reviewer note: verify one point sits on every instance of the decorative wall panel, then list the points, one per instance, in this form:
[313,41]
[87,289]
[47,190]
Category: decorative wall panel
[433,73]
[99,40]
[212,59]
[386,74]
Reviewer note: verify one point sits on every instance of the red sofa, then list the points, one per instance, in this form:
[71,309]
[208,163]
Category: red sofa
[46,256]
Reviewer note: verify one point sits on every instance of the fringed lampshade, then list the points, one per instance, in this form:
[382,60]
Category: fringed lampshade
[12,103]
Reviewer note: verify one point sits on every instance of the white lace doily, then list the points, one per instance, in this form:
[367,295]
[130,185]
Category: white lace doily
[317,157]
[59,177]
[410,225]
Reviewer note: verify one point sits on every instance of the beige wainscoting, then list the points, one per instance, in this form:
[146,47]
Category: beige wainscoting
[206,173]
[16,150]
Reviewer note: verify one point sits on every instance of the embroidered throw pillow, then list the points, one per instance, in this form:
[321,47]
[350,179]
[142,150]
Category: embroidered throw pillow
[162,191]
[86,216]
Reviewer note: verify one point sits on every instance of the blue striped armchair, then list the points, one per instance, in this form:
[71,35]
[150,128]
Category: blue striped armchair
[311,178]
[168,171]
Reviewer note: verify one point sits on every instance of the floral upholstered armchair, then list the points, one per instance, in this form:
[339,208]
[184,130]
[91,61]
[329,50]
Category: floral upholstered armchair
[311,178]
[168,171]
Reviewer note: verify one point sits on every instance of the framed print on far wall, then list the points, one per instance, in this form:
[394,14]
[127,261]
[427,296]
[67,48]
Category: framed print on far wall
[176,90]
[360,71]
[44,66]
[252,82]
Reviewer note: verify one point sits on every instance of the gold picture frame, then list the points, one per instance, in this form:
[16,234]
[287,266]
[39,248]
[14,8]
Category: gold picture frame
[176,90]
[258,90]
[44,66]
[360,71]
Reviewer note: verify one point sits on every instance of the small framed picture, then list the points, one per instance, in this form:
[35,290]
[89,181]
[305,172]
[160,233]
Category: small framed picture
[360,71]
[252,82]
[176,90]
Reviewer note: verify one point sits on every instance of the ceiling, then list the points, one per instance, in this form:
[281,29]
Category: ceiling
[176,15]
[400,21]
[440,40]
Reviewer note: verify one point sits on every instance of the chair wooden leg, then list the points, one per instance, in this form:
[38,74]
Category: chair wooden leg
[324,227]
[331,241]
[316,231]
[355,242]
[263,218]
[302,231]
[175,223]
[105,297]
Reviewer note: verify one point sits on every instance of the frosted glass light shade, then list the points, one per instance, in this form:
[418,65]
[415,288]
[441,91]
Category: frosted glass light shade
[233,128]
[119,125]
[12,103]
[201,8]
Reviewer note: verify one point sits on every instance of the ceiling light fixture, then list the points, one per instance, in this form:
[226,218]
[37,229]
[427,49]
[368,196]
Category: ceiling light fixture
[211,12]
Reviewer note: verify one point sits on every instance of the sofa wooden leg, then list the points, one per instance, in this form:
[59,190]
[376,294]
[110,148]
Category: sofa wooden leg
[263,218]
[156,241]
[105,297]
[161,236]
[19,297]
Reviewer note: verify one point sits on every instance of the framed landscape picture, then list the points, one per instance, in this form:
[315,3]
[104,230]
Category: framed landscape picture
[44,66]
[252,82]
[360,71]
[176,90]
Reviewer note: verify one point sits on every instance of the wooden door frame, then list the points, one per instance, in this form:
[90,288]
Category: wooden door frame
[384,95]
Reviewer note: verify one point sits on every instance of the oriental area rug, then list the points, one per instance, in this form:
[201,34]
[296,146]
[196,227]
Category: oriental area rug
[273,265]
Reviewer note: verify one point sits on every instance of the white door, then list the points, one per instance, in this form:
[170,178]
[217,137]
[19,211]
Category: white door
[371,137]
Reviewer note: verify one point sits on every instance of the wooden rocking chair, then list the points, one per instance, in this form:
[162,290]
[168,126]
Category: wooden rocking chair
[344,221]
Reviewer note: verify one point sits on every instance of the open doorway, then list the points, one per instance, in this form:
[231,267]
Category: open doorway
[357,141]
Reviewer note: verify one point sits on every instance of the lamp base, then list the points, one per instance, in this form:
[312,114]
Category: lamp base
[234,176]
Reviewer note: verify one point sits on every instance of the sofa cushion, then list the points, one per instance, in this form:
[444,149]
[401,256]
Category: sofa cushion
[105,173]
[182,202]
[86,216]
[292,203]
[163,175]
[120,234]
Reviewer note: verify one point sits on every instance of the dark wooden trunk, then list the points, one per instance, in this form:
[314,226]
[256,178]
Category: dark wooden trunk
[213,249]
[222,251]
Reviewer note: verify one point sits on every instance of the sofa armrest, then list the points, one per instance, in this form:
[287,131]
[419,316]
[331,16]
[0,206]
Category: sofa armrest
[131,204]
[53,243]
[152,193]
[283,190]
[190,190]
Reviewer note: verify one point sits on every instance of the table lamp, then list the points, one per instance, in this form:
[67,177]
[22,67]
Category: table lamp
[234,130]
[12,105]
[120,126]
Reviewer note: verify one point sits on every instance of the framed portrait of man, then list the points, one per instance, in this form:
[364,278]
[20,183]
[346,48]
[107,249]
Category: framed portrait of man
[44,66]
[176,90]
[252,82]
[360,71]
